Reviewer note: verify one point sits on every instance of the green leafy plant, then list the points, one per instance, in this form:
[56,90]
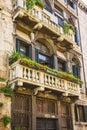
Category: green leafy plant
[67,26]
[39,3]
[15,55]
[7,90]
[2,79]
[1,104]
[17,128]
[6,120]
[31,3]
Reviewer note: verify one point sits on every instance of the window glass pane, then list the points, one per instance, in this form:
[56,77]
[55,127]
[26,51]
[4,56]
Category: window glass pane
[23,49]
[60,21]
[61,65]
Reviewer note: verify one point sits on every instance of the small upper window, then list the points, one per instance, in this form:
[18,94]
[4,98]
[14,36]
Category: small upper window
[61,65]
[43,54]
[75,68]
[23,48]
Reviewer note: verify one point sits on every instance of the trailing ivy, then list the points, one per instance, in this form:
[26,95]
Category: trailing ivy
[6,120]
[7,90]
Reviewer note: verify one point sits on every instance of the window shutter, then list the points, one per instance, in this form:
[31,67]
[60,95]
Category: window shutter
[29,51]
[77,36]
[65,66]
[76,113]
[17,45]
[36,55]
[85,113]
[52,62]
[75,69]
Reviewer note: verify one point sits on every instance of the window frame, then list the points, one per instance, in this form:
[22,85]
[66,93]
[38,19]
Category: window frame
[28,47]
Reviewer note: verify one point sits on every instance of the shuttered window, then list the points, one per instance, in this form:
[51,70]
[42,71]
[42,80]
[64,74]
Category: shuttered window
[75,67]
[62,65]
[24,48]
[45,106]
[80,113]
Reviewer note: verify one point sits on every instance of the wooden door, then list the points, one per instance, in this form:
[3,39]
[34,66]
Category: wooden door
[21,112]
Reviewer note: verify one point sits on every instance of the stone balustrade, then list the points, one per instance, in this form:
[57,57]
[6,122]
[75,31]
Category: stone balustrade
[20,73]
[49,20]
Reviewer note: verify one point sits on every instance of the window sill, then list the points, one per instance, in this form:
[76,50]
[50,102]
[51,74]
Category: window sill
[81,123]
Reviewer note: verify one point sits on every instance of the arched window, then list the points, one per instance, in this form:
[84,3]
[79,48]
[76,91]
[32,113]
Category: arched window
[75,67]
[44,53]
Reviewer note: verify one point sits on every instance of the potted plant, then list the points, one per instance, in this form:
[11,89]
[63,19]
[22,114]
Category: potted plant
[67,27]
[30,3]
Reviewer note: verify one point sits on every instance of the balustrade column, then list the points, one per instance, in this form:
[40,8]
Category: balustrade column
[19,71]
[66,85]
[20,3]
[41,77]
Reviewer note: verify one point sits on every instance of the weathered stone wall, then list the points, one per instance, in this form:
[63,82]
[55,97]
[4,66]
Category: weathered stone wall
[83,36]
[6,38]
[83,31]
[6,46]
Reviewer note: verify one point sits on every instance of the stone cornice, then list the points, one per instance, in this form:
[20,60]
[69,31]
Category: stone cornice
[82,5]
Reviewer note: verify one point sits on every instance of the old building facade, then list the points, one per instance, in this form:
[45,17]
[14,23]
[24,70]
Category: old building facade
[46,92]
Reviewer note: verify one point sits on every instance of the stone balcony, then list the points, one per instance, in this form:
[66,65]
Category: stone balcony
[48,20]
[20,75]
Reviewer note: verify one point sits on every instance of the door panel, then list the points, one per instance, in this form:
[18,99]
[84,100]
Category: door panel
[46,124]
[21,109]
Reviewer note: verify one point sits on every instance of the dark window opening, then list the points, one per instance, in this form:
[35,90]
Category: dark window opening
[43,55]
[75,68]
[23,48]
[43,59]
[61,65]
[48,5]
[72,4]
